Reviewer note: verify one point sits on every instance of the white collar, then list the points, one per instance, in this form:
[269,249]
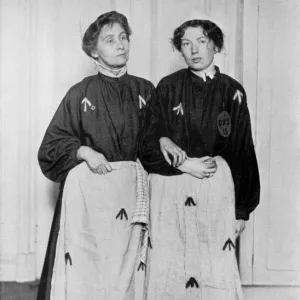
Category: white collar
[110,72]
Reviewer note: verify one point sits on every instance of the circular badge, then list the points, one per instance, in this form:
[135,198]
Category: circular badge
[224,124]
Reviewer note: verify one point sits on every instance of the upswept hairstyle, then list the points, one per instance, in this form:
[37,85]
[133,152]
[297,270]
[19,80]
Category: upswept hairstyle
[210,29]
[91,35]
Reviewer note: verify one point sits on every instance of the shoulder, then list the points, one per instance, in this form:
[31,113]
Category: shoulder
[173,79]
[232,83]
[235,90]
[77,91]
[82,86]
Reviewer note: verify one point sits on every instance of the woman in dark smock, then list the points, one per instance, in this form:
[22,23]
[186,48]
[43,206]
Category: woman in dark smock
[90,148]
[204,180]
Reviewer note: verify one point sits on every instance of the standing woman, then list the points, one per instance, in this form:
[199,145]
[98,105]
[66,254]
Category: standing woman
[90,148]
[204,180]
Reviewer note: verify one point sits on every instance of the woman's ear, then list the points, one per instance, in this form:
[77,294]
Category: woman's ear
[216,50]
[94,54]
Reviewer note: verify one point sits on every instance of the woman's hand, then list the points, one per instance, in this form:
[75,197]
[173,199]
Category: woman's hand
[167,148]
[199,167]
[239,227]
[95,160]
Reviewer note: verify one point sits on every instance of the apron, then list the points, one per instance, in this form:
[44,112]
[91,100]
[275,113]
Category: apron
[99,242]
[193,238]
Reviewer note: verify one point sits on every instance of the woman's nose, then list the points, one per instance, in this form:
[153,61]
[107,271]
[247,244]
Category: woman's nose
[194,48]
[120,44]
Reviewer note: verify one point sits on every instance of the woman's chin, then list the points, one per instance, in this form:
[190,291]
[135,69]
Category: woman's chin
[119,63]
[196,67]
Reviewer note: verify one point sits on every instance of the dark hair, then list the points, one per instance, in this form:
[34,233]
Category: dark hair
[210,29]
[90,37]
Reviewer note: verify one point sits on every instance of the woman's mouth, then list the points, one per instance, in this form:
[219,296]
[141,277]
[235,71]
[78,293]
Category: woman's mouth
[196,60]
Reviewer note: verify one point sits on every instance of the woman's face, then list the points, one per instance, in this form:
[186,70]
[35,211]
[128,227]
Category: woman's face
[197,49]
[112,48]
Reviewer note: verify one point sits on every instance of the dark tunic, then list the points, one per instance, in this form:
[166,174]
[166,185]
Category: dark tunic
[106,114]
[189,111]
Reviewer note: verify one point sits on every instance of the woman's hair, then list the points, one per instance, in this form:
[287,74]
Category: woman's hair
[91,35]
[210,29]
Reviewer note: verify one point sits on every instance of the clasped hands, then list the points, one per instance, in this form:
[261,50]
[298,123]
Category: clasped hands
[198,167]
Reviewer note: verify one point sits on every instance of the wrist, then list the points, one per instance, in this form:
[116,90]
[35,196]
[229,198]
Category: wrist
[184,167]
[162,138]
[82,152]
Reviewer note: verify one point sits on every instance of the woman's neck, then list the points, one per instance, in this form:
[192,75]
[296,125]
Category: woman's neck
[111,72]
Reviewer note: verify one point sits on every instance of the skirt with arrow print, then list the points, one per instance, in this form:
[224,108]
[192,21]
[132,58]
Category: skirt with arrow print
[193,238]
[98,252]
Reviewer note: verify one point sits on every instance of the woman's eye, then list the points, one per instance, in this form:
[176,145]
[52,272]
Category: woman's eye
[124,37]
[109,41]
[185,44]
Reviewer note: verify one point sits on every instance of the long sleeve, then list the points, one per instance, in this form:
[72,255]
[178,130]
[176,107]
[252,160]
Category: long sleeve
[155,128]
[58,152]
[244,166]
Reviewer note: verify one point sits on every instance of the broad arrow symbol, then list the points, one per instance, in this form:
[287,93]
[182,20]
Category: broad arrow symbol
[238,94]
[179,109]
[191,282]
[228,243]
[68,258]
[85,102]
[142,101]
[122,213]
[142,266]
[190,201]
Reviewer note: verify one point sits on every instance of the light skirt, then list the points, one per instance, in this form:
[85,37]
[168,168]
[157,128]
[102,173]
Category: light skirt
[97,249]
[193,233]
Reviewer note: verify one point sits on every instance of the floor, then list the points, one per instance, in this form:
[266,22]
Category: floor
[18,291]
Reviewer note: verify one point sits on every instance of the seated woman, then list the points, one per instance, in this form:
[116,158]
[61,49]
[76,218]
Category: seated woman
[91,147]
[204,180]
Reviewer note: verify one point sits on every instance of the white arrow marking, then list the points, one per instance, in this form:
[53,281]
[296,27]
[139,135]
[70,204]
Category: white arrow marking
[238,94]
[85,102]
[142,101]
[179,109]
